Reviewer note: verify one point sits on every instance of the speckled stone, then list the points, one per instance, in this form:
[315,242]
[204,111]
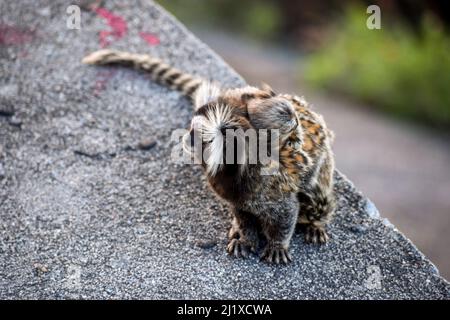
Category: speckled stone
[128,223]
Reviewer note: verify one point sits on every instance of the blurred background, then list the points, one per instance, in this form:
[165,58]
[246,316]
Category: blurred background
[385,93]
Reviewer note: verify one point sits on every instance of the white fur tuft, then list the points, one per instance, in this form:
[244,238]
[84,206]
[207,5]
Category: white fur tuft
[206,92]
[217,117]
[210,127]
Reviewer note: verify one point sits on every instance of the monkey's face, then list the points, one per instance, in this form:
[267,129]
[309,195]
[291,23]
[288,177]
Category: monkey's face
[208,134]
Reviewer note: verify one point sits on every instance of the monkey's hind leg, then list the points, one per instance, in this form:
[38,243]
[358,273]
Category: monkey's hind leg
[243,234]
[317,205]
[316,209]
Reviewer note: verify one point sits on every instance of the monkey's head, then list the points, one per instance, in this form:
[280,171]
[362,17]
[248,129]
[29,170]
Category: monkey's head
[267,110]
[224,115]
[216,119]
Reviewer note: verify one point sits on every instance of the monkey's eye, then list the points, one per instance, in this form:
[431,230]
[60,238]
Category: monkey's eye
[293,144]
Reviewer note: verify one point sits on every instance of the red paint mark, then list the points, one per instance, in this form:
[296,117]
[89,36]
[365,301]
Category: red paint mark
[10,36]
[101,81]
[117,24]
[150,38]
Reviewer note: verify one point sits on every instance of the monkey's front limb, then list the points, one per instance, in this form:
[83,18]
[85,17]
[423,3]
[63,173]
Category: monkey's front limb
[278,228]
[243,234]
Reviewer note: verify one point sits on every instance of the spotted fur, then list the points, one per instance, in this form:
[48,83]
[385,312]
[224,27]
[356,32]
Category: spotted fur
[316,196]
[306,158]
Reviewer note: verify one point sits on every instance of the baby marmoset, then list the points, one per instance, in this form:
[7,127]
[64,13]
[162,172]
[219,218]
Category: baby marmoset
[299,191]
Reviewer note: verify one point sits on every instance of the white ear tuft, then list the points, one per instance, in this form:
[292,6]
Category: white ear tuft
[214,160]
[268,89]
[207,92]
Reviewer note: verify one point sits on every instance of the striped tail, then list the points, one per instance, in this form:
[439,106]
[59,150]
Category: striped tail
[160,71]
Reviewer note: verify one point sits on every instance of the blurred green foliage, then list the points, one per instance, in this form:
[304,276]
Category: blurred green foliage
[255,18]
[395,69]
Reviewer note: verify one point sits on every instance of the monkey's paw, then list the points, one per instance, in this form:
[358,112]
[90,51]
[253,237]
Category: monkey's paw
[276,255]
[239,248]
[315,234]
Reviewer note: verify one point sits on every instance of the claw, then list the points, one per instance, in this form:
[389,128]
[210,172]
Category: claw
[244,251]
[276,255]
[323,238]
[316,235]
[230,246]
[286,257]
[237,249]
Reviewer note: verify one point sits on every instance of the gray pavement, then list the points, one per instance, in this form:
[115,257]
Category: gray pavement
[86,213]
